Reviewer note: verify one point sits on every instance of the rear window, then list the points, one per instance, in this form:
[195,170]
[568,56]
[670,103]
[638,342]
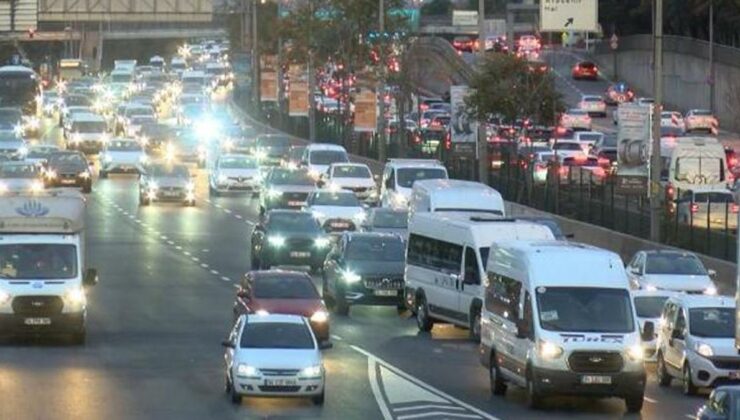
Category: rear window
[587,65]
[715,197]
[649,306]
[567,146]
[702,112]
[291,287]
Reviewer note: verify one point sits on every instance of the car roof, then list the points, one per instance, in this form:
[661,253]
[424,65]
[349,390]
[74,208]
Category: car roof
[414,163]
[325,146]
[271,274]
[275,318]
[349,164]
[364,235]
[288,212]
[87,117]
[668,252]
[704,301]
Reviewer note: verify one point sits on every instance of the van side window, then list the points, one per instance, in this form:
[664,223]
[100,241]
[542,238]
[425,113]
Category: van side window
[527,316]
[434,254]
[389,180]
[502,296]
[472,272]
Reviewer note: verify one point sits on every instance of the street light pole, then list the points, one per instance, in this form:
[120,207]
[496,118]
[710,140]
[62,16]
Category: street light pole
[255,58]
[483,165]
[381,84]
[655,162]
[311,78]
[710,77]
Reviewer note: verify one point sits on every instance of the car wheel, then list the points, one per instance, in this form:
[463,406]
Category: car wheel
[87,188]
[498,386]
[423,321]
[534,398]
[143,201]
[102,174]
[341,308]
[236,398]
[688,385]
[319,399]
[634,403]
[227,385]
[474,324]
[664,378]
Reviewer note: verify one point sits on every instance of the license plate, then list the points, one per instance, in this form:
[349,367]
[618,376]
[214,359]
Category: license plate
[170,193]
[37,321]
[68,181]
[385,293]
[297,254]
[734,375]
[340,225]
[280,382]
[296,203]
[596,380]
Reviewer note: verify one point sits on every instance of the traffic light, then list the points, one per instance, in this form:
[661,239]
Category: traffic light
[31,33]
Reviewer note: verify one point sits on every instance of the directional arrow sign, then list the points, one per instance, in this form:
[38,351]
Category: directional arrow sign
[573,15]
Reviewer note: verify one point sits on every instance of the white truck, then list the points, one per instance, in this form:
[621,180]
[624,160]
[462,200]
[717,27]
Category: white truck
[43,279]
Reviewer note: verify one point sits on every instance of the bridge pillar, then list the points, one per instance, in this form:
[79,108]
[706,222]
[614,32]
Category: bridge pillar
[91,48]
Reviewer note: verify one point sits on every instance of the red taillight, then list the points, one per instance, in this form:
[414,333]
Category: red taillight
[564,170]
[735,208]
[599,172]
[540,167]
[603,161]
[694,208]
[669,191]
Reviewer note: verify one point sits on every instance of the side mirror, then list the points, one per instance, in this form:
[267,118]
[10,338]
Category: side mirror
[455,277]
[376,177]
[228,344]
[677,333]
[90,278]
[522,329]
[648,331]
[242,294]
[712,273]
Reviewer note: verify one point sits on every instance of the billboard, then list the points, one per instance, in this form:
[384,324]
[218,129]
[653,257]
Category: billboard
[633,148]
[462,126]
[570,16]
[298,99]
[464,18]
[366,111]
[268,78]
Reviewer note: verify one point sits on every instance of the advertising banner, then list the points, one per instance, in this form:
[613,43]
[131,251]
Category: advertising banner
[298,98]
[462,127]
[366,111]
[633,148]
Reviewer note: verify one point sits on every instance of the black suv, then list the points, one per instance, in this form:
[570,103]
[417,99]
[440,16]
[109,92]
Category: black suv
[288,237]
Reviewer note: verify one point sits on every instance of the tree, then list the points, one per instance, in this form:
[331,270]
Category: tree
[436,8]
[509,87]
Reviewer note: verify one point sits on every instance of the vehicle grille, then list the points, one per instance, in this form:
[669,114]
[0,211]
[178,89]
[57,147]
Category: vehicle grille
[383,283]
[732,363]
[279,372]
[295,196]
[240,178]
[37,305]
[297,244]
[357,189]
[281,388]
[595,362]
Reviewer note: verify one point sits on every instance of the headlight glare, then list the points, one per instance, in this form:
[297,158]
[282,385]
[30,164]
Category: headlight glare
[549,350]
[75,297]
[704,349]
[321,242]
[276,241]
[351,277]
[711,290]
[246,370]
[4,297]
[320,316]
[311,371]
[636,353]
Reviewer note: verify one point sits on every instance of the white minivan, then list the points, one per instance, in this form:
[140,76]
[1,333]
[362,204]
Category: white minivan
[434,195]
[558,319]
[399,176]
[318,157]
[445,264]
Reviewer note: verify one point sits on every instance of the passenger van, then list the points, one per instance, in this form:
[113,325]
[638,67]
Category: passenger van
[317,157]
[694,162]
[445,264]
[399,176]
[558,319]
[87,133]
[434,195]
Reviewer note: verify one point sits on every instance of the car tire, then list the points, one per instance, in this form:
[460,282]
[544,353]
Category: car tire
[423,321]
[688,385]
[498,386]
[663,377]
[87,188]
[227,385]
[342,307]
[534,398]
[235,397]
[319,399]
[143,201]
[326,295]
[102,174]
[474,323]
[634,403]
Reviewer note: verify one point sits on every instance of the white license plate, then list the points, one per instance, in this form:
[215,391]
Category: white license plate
[37,321]
[340,225]
[68,181]
[280,382]
[297,254]
[734,375]
[170,193]
[296,203]
[386,293]
[596,380]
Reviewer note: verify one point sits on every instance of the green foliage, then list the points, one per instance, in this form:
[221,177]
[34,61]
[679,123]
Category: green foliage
[506,86]
[436,8]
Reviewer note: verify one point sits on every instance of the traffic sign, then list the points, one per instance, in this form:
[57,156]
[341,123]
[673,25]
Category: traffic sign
[571,15]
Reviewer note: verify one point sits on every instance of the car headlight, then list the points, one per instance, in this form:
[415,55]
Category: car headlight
[222,179]
[75,297]
[261,312]
[84,174]
[37,186]
[650,288]
[190,186]
[272,193]
[143,159]
[51,174]
[321,242]
[359,217]
[4,297]
[108,158]
[711,290]
[313,173]
[704,349]
[153,186]
[635,353]
[548,350]
[246,370]
[399,200]
[3,188]
[22,151]
[320,316]
[311,372]
[351,277]
[260,154]
[276,241]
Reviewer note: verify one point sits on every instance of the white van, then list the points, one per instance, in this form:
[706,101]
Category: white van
[697,162]
[87,133]
[434,195]
[445,264]
[317,157]
[198,77]
[558,319]
[42,264]
[399,176]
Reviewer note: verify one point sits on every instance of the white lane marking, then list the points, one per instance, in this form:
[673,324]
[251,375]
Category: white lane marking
[401,388]
[438,414]
[336,337]
[420,407]
[650,400]
[178,247]
[170,242]
[690,416]
[163,237]
[196,259]
[238,216]
[227,211]
[131,216]
[218,206]
[224,278]
[250,223]
[204,265]
[186,253]
[214,272]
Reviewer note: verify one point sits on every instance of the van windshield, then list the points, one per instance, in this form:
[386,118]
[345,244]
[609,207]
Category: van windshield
[712,322]
[38,261]
[649,306]
[407,176]
[585,309]
[700,170]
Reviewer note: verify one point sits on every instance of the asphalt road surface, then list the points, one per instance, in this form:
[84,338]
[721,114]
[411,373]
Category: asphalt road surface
[163,305]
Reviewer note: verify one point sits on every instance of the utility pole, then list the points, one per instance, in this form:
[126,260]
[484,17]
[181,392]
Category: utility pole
[655,163]
[381,84]
[255,57]
[483,164]
[311,79]
[710,77]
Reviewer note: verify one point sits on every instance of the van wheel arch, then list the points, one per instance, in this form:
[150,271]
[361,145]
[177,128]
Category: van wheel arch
[497,383]
[474,316]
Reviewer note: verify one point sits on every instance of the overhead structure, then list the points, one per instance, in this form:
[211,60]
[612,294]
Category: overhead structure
[125,10]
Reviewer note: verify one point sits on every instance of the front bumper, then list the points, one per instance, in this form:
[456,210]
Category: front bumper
[236,185]
[87,146]
[560,382]
[67,180]
[60,323]
[122,167]
[338,225]
[298,387]
[711,372]
[171,195]
[290,256]
[357,294]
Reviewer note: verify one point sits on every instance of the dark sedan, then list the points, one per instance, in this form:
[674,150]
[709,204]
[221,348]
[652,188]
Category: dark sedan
[723,404]
[364,269]
[288,237]
[286,188]
[68,169]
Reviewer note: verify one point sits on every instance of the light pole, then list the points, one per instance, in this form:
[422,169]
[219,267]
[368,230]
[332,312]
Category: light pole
[255,56]
[483,164]
[655,162]
[710,77]
[311,78]
[381,84]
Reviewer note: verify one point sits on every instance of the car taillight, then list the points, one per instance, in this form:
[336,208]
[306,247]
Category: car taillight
[669,191]
[564,170]
[694,208]
[602,161]
[539,167]
[735,208]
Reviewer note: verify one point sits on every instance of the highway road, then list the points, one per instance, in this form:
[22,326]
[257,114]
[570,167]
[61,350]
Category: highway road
[163,305]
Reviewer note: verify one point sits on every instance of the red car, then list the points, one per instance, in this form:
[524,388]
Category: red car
[282,292]
[585,70]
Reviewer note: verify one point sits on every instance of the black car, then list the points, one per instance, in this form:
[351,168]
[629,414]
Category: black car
[285,188]
[154,136]
[364,269]
[723,404]
[271,149]
[289,237]
[387,220]
[68,169]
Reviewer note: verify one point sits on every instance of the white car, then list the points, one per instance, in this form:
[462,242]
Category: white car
[318,156]
[678,271]
[122,155]
[568,149]
[233,173]
[576,119]
[672,119]
[696,342]
[399,176]
[273,356]
[20,177]
[701,119]
[355,177]
[593,104]
[336,211]
[713,209]
[588,139]
[649,306]
[134,124]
